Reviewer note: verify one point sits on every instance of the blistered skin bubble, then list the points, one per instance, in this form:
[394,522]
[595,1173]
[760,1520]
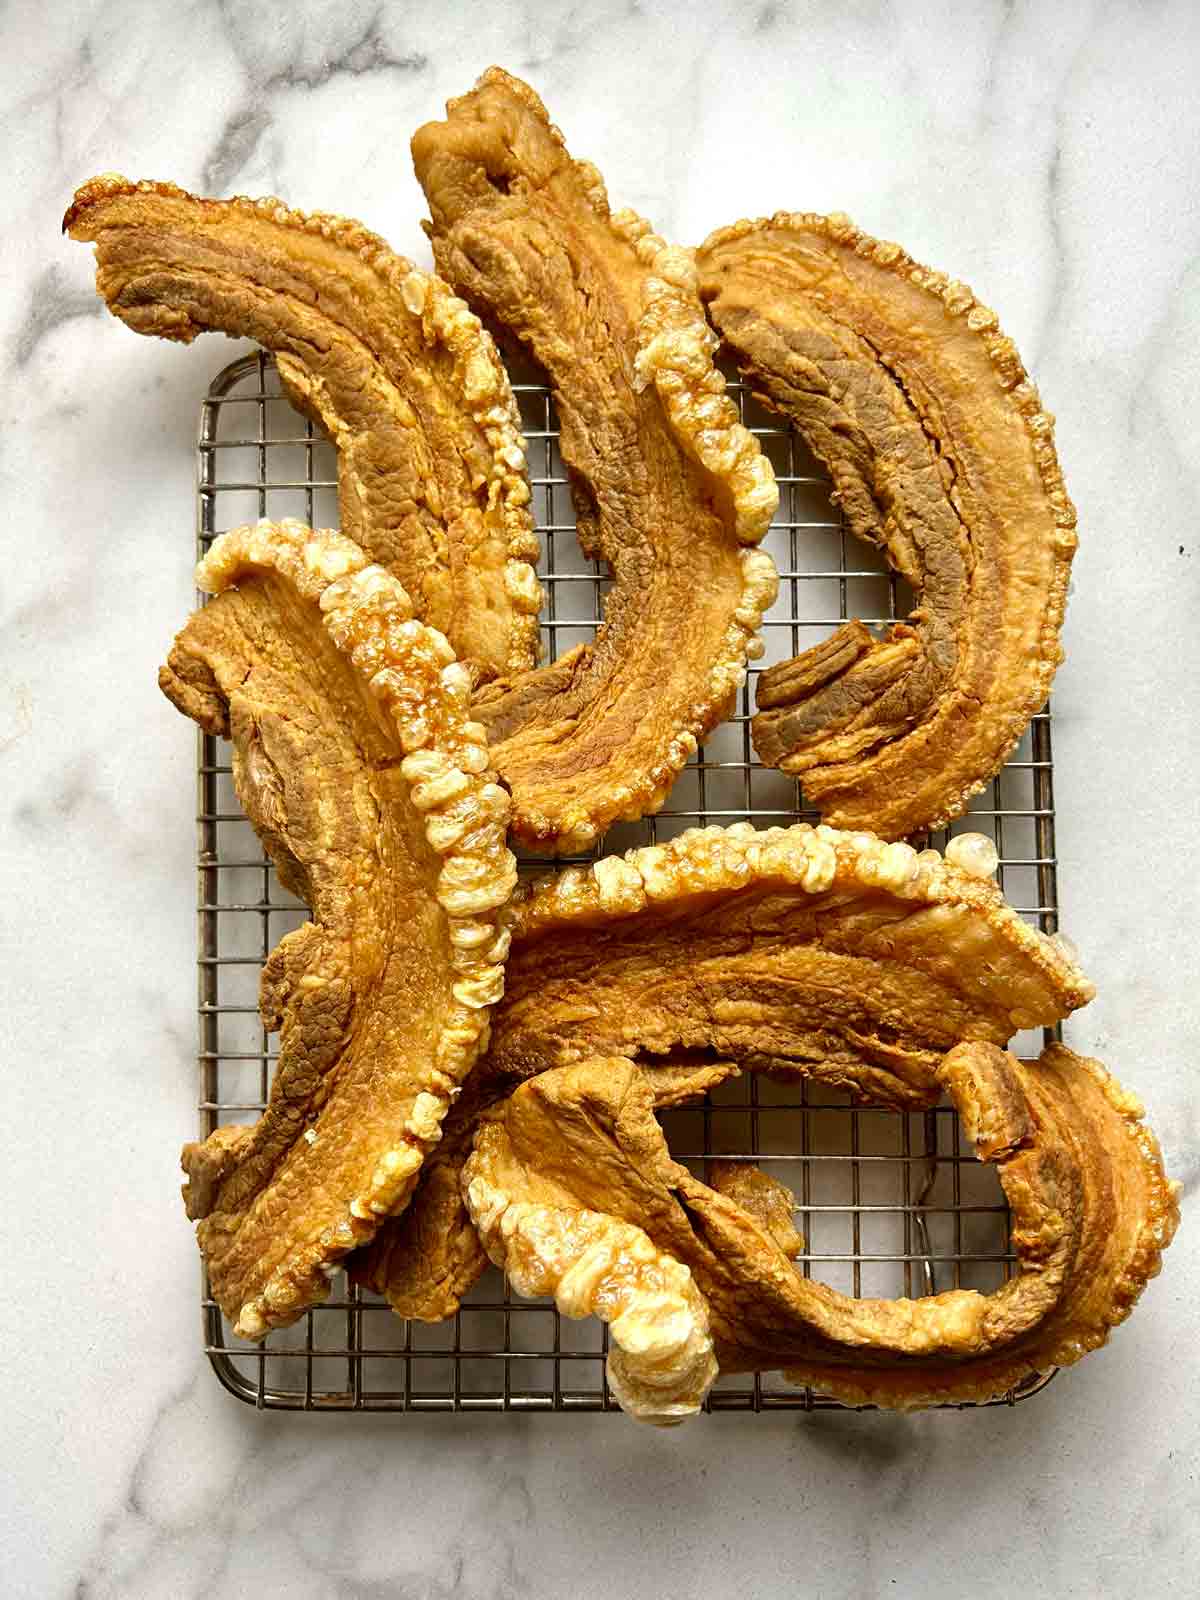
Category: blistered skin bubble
[974,853]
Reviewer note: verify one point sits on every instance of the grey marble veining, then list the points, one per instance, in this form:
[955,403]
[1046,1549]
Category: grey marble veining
[1046,154]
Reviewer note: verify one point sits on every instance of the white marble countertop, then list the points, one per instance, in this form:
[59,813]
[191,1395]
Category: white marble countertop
[1045,153]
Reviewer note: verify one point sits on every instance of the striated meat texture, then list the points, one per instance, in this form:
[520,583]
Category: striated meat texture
[670,490]
[355,759]
[941,455]
[800,952]
[805,952]
[1092,1212]
[402,377]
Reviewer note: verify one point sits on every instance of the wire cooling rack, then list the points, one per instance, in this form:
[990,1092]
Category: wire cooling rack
[888,1203]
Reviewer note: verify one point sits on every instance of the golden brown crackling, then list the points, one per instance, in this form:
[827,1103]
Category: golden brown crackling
[402,377]
[1092,1212]
[356,759]
[425,1260]
[800,952]
[941,454]
[670,490]
[812,949]
[550,1239]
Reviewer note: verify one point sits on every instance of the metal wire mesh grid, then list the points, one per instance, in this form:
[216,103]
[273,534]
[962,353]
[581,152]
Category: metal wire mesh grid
[888,1203]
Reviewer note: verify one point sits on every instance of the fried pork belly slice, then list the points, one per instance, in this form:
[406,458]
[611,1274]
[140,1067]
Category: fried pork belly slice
[425,1260]
[431,461]
[355,759]
[670,490]
[800,952]
[940,454]
[527,1184]
[804,952]
[1092,1212]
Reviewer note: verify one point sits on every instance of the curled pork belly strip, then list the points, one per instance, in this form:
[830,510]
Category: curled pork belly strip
[1092,1212]
[356,760]
[670,490]
[549,1240]
[942,455]
[398,372]
[799,952]
[426,1259]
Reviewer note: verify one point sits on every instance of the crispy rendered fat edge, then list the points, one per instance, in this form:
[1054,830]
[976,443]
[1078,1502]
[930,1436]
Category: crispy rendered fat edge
[444,318]
[958,301]
[710,860]
[662,1364]
[368,615]
[674,354]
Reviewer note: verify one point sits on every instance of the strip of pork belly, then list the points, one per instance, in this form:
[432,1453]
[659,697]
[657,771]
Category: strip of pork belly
[942,455]
[670,490]
[574,1160]
[356,760]
[391,364]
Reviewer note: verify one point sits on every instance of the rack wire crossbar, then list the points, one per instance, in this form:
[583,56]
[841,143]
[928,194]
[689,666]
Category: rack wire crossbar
[888,1203]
